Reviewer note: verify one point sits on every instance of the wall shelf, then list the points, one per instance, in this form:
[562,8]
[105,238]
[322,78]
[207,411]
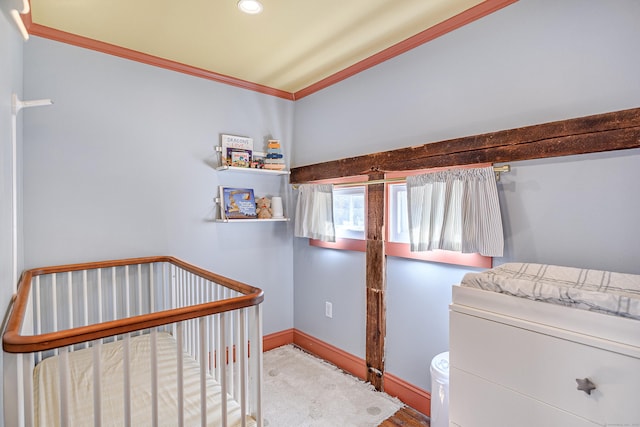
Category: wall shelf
[244,170]
[254,220]
[252,170]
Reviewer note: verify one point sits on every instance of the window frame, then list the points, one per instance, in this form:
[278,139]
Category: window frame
[399,249]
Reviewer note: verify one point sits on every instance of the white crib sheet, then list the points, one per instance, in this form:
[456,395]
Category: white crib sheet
[594,290]
[46,387]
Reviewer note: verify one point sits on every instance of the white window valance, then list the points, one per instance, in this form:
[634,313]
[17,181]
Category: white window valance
[455,210]
[314,212]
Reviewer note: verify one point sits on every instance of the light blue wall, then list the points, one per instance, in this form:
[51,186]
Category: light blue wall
[122,165]
[533,62]
[10,83]
[586,207]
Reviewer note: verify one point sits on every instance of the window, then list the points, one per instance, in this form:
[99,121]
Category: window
[397,231]
[350,216]
[398,216]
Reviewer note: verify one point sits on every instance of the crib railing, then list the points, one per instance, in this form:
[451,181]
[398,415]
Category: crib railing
[214,320]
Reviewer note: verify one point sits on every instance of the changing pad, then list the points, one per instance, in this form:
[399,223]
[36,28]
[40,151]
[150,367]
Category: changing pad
[594,290]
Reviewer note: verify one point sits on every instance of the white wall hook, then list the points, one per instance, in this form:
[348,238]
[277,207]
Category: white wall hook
[17,104]
[15,15]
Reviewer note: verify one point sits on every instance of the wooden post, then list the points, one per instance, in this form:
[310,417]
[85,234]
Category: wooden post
[376,282]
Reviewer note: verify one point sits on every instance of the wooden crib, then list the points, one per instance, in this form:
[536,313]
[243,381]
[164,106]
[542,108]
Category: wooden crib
[136,342]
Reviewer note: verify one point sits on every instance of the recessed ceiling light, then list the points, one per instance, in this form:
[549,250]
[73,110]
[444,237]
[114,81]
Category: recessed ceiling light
[250,6]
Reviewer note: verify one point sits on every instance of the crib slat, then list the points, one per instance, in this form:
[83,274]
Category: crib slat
[212,343]
[20,389]
[243,366]
[99,272]
[212,346]
[63,362]
[257,363]
[221,361]
[127,302]
[54,291]
[174,296]
[218,347]
[86,302]
[139,289]
[190,301]
[28,364]
[166,303]
[70,298]
[235,372]
[154,377]
[97,384]
[203,372]
[126,357]
[114,299]
[37,313]
[152,305]
[180,368]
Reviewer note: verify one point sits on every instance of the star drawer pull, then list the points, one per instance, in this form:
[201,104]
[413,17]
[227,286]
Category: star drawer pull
[585,385]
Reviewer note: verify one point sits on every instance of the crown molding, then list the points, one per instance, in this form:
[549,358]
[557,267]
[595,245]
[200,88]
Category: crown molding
[87,43]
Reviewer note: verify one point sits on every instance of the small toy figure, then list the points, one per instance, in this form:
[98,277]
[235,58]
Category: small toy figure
[263,208]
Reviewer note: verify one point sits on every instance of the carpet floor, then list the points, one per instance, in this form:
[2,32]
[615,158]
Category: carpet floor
[301,390]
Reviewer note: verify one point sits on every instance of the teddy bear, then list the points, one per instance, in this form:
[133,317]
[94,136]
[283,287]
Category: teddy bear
[263,208]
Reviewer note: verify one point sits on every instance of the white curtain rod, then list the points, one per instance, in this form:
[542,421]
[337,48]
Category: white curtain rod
[497,169]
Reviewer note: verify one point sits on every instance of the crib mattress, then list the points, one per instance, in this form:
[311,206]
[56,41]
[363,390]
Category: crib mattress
[46,387]
[592,290]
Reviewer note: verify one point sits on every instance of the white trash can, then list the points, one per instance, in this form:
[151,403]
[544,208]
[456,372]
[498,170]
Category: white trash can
[440,390]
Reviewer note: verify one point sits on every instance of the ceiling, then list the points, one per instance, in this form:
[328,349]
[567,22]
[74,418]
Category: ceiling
[292,46]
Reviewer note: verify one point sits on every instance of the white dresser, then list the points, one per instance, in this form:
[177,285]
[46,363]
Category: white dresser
[515,362]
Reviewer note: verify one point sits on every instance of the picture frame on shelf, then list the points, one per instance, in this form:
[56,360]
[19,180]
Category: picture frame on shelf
[237,203]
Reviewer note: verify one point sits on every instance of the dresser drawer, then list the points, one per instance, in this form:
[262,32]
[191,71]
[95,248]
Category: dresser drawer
[480,403]
[545,368]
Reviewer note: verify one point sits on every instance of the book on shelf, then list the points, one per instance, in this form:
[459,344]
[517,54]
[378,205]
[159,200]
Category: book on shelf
[237,203]
[231,144]
[238,157]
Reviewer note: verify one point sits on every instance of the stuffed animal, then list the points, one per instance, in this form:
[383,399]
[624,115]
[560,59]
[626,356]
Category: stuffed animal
[263,208]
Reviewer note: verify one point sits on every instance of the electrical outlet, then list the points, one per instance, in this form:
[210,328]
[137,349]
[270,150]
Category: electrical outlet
[328,309]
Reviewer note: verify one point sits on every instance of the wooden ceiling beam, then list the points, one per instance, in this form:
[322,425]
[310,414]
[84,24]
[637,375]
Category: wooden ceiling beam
[618,130]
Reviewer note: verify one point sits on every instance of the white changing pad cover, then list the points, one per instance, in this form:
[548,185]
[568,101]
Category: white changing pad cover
[594,290]
[46,387]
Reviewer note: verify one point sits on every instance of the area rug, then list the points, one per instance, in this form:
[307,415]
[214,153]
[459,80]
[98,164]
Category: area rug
[301,390]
